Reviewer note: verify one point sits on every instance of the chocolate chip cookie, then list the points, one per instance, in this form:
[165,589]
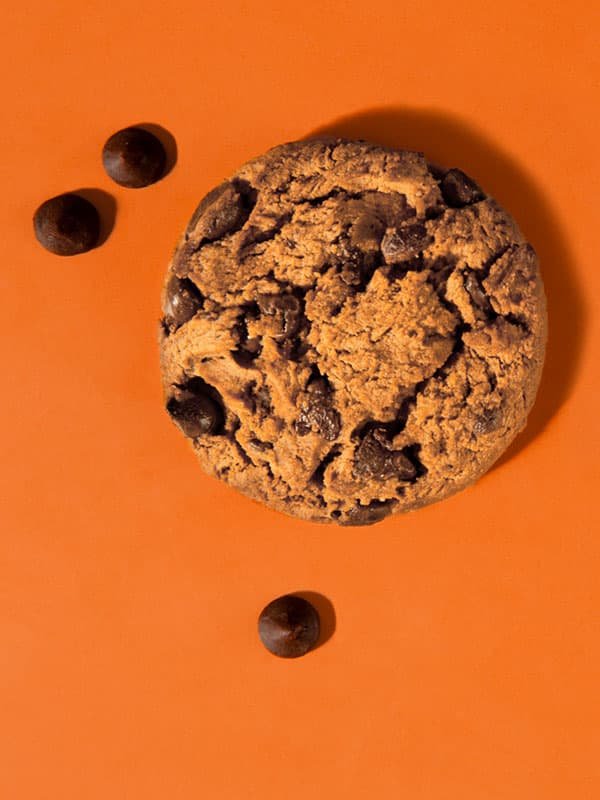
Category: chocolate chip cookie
[349,331]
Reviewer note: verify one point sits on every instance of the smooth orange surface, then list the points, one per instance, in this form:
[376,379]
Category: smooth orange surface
[465,659]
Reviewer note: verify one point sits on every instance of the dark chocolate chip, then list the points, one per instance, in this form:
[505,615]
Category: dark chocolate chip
[368,515]
[224,210]
[134,158]
[197,414]
[67,225]
[399,244]
[476,293]
[317,412]
[488,422]
[289,626]
[248,349]
[459,190]
[286,311]
[182,301]
[376,459]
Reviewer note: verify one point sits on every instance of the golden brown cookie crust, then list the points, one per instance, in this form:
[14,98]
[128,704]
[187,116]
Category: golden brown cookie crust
[349,332]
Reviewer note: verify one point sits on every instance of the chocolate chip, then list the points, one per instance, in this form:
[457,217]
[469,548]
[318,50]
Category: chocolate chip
[248,349]
[476,293]
[286,313]
[224,210]
[459,190]
[399,244]
[488,422]
[67,225]
[289,626]
[317,412]
[367,515]
[198,411]
[376,459]
[182,302]
[134,158]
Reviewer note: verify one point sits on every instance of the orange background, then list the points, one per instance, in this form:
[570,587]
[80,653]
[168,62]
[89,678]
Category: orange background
[465,657]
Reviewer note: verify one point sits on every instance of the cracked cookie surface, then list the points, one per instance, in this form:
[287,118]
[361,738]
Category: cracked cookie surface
[349,332]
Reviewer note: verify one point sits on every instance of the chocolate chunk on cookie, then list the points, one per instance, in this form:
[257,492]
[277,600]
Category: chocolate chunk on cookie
[350,332]
[223,211]
[197,410]
[317,412]
[375,458]
[181,302]
[248,347]
[400,244]
[459,190]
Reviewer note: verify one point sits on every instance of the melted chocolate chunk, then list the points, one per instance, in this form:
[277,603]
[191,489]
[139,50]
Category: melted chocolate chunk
[182,302]
[195,416]
[317,413]
[400,244]
[376,459]
[248,349]
[199,409]
[224,210]
[488,422]
[459,190]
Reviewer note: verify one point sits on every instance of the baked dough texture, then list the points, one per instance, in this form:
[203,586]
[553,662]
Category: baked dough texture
[350,332]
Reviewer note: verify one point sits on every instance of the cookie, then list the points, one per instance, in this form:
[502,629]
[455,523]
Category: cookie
[350,332]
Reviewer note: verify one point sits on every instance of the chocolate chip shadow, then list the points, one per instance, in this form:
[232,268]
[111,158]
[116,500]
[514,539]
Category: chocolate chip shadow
[326,613]
[447,140]
[166,139]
